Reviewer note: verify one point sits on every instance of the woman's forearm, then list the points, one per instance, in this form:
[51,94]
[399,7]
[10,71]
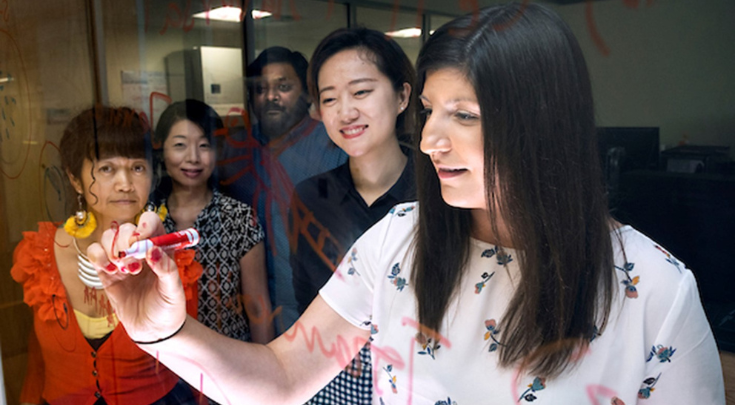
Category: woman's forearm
[289,370]
[226,370]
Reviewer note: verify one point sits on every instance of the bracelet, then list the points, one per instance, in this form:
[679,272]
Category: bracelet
[162,339]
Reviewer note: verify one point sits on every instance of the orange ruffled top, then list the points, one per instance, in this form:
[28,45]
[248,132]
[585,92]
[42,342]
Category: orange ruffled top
[62,366]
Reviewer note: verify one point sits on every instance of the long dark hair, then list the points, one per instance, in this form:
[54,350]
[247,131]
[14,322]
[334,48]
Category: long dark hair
[201,114]
[541,171]
[388,57]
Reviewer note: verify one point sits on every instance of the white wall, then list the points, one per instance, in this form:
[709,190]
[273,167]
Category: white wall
[669,65]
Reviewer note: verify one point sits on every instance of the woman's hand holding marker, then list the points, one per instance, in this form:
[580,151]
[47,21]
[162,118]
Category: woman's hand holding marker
[152,304]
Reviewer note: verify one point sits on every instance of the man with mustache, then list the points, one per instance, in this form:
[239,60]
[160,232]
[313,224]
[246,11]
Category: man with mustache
[261,165]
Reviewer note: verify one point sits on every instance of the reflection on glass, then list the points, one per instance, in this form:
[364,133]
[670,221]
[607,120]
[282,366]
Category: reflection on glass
[296,25]
[403,26]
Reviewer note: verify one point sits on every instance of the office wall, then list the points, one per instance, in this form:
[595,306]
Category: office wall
[665,63]
[45,78]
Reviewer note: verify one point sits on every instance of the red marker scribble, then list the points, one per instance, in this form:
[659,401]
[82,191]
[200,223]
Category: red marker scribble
[635,3]
[4,10]
[151,99]
[341,350]
[281,189]
[115,227]
[201,387]
[302,220]
[517,16]
[472,6]
[16,48]
[406,321]
[276,6]
[178,19]
[253,317]
[592,27]
[203,372]
[514,383]
[438,338]
[330,9]
[231,121]
[387,355]
[42,202]
[595,390]
[146,14]
[394,15]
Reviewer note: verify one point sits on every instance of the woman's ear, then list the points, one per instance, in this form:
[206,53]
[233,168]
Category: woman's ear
[75,182]
[404,96]
[314,112]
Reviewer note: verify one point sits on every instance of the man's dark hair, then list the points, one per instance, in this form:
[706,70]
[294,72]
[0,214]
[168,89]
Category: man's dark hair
[279,54]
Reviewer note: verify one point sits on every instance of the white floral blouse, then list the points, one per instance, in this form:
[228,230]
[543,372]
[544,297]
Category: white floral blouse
[656,349]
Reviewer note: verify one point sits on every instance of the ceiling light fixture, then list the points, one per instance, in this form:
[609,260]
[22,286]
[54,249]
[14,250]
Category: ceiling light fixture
[230,14]
[405,33]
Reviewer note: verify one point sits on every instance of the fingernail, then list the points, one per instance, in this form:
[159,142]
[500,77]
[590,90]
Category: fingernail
[111,267]
[134,267]
[156,254]
[123,269]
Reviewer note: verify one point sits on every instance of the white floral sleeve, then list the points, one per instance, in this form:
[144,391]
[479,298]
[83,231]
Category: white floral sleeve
[350,289]
[683,365]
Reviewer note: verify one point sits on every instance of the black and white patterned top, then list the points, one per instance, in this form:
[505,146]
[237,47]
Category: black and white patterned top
[228,229]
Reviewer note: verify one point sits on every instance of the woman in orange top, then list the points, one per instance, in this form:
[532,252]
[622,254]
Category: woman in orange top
[78,352]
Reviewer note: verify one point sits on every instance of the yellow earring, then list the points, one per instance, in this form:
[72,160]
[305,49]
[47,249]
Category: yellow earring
[82,223]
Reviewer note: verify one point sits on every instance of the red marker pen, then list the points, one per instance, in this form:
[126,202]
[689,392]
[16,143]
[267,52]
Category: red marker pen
[172,241]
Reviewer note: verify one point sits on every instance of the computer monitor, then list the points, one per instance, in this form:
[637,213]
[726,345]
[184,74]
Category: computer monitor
[629,148]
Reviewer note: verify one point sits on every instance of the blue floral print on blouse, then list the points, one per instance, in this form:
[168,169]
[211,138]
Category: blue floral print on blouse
[401,212]
[391,378]
[595,333]
[397,281]
[662,353]
[373,328]
[630,282]
[428,347]
[447,402]
[353,258]
[492,330]
[669,258]
[538,384]
[502,257]
[647,389]
[485,278]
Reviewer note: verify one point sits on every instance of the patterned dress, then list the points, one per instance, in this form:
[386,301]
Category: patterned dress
[228,229]
[657,347]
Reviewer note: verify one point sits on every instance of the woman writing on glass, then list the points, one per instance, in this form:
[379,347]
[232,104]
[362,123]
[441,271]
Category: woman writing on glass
[361,81]
[232,292]
[508,282]
[78,351]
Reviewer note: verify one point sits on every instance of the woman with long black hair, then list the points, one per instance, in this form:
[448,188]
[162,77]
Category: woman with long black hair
[509,281]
